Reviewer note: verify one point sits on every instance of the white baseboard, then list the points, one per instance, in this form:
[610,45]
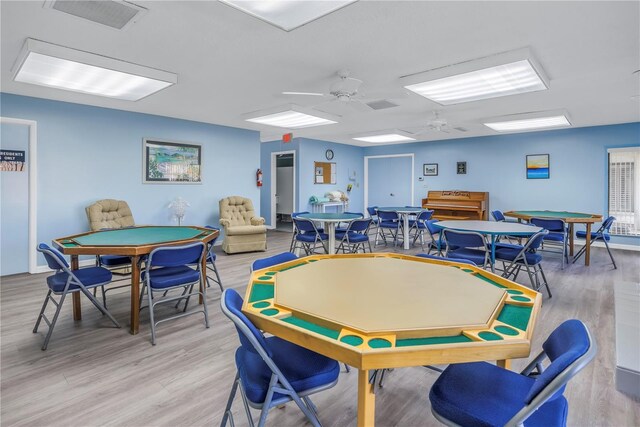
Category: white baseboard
[621,246]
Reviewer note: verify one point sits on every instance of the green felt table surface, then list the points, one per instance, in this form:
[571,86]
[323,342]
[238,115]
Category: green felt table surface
[138,236]
[554,214]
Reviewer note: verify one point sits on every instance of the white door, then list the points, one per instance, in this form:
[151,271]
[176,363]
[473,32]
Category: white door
[389,181]
[14,203]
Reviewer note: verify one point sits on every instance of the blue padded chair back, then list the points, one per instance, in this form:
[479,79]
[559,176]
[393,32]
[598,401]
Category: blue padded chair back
[387,215]
[556,225]
[359,225]
[607,223]
[463,239]
[498,216]
[231,301]
[55,260]
[295,214]
[441,258]
[304,225]
[173,256]
[566,344]
[273,260]
[424,216]
[432,228]
[535,241]
[372,210]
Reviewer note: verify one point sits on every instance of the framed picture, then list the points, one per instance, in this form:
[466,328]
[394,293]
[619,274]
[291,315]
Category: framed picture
[430,169]
[461,168]
[168,162]
[537,166]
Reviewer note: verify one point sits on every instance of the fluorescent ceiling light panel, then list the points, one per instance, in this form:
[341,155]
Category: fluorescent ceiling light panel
[288,14]
[384,137]
[291,119]
[46,64]
[491,77]
[530,124]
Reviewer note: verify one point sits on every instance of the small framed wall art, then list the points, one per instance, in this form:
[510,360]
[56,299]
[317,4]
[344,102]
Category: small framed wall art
[461,168]
[430,169]
[537,166]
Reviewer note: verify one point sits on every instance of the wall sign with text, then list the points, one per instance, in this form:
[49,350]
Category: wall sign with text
[12,160]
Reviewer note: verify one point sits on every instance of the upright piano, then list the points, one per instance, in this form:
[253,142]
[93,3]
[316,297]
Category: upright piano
[455,204]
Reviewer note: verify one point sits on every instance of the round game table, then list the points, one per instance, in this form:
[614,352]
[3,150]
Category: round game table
[570,218]
[493,229]
[330,220]
[378,311]
[404,213]
[133,242]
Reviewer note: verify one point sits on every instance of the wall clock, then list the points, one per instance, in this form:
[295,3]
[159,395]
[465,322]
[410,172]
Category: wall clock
[329,154]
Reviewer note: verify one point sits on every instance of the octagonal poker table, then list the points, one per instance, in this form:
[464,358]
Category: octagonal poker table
[134,242]
[377,311]
[570,218]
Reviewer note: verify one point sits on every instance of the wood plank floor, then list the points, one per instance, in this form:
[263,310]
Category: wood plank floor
[94,374]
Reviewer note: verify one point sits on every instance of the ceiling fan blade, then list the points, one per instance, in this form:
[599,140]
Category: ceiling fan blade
[304,93]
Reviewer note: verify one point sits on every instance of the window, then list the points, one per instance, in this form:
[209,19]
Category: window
[624,190]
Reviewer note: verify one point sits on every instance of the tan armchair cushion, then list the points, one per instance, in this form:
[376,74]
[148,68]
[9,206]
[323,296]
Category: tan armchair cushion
[109,213]
[239,230]
[236,210]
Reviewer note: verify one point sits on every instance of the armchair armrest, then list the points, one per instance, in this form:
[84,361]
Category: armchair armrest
[225,222]
[256,220]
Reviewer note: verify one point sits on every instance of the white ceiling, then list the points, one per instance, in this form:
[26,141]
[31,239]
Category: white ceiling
[229,63]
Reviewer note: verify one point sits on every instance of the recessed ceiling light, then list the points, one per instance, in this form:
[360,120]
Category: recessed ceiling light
[290,117]
[395,136]
[499,75]
[46,64]
[287,14]
[530,124]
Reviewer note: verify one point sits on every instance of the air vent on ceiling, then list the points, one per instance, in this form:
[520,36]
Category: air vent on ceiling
[381,104]
[114,14]
[461,129]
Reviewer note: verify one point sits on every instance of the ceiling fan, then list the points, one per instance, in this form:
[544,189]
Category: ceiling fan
[436,124]
[344,91]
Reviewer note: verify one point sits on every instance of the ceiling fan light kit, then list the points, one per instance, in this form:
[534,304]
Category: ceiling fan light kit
[494,76]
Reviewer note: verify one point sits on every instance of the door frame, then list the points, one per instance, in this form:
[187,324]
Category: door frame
[33,187]
[274,179]
[366,175]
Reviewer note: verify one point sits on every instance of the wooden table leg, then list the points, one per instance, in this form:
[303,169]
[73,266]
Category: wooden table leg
[366,400]
[77,305]
[571,238]
[135,295]
[587,241]
[506,363]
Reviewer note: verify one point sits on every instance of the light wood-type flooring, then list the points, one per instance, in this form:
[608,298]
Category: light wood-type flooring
[94,374]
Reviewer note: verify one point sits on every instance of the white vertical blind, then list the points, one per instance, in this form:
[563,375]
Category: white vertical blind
[624,190]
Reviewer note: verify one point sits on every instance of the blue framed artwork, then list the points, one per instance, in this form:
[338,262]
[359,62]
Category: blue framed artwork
[538,166]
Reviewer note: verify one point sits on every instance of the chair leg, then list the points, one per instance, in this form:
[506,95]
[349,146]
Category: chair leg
[544,278]
[217,280]
[151,317]
[99,306]
[44,306]
[606,244]
[53,322]
[227,411]
[204,306]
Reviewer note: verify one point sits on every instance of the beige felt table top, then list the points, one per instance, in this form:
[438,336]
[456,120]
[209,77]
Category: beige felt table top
[386,294]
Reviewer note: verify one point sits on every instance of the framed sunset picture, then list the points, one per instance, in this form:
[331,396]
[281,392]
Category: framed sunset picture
[538,166]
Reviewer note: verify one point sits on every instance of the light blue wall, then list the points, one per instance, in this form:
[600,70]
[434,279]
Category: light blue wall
[14,207]
[390,192]
[347,158]
[578,162]
[88,153]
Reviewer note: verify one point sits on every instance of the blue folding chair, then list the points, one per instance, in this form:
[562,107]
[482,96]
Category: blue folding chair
[373,214]
[418,226]
[558,235]
[283,257]
[441,258]
[296,231]
[601,234]
[170,268]
[342,226]
[354,237]
[66,281]
[434,234]
[498,216]
[526,257]
[272,371]
[308,236]
[388,221]
[466,245]
[482,394]
[211,260]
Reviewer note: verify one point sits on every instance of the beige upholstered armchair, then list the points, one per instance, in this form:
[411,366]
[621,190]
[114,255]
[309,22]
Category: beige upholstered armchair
[109,213]
[243,230]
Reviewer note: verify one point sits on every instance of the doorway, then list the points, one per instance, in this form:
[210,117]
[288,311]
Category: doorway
[388,180]
[283,185]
